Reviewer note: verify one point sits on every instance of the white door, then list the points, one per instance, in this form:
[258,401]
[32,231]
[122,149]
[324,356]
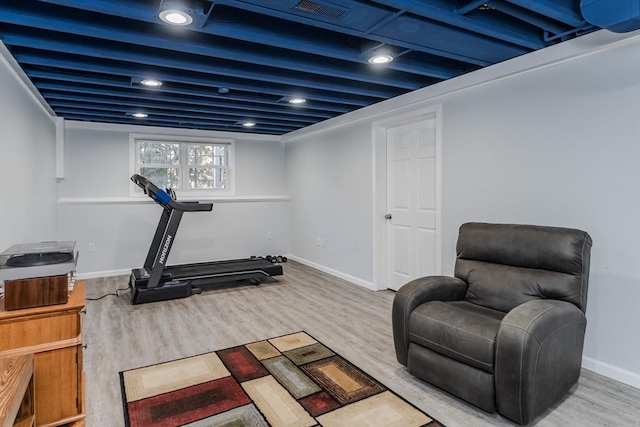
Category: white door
[412,197]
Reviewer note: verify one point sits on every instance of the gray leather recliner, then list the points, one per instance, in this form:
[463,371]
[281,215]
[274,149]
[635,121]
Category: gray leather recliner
[506,333]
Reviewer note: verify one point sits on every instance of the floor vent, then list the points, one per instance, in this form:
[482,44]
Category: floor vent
[320,8]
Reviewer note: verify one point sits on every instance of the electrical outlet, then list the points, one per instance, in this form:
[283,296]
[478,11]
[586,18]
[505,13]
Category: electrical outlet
[269,235]
[92,247]
[318,241]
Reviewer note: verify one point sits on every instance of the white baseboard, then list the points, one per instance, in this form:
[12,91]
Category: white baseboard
[611,371]
[344,276]
[97,274]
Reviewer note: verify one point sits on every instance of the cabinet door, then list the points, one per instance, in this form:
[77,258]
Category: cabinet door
[57,379]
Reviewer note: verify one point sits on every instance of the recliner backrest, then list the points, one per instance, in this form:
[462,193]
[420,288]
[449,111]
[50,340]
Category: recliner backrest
[506,265]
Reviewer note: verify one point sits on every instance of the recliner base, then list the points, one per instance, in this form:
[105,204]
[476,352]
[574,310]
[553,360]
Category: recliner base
[464,381]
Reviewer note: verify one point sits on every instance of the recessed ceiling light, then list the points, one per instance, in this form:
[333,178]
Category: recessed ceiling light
[248,124]
[176,17]
[380,59]
[297,101]
[151,82]
[140,115]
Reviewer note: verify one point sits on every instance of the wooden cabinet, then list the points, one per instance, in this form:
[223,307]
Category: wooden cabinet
[17,391]
[53,334]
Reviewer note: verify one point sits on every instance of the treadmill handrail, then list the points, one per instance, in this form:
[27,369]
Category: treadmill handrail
[165,200]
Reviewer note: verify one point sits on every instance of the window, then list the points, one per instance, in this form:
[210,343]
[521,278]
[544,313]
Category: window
[185,164]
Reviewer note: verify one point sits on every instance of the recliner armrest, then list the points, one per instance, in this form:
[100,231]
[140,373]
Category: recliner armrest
[414,293]
[538,357]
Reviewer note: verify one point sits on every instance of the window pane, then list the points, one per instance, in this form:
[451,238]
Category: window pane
[200,178]
[162,177]
[164,164]
[158,153]
[201,154]
[220,155]
[220,178]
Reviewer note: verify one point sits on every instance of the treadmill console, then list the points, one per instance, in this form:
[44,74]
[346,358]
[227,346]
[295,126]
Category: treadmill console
[167,200]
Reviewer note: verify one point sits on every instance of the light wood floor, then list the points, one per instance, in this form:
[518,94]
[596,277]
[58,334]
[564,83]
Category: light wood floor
[351,320]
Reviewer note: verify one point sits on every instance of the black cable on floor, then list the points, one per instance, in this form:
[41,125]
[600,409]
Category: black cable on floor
[112,294]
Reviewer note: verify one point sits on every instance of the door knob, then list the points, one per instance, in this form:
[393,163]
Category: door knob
[387,216]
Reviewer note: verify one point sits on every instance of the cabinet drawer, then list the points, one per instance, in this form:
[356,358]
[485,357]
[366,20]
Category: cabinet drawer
[34,330]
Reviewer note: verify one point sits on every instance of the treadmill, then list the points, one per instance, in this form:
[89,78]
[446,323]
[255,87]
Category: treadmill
[156,281]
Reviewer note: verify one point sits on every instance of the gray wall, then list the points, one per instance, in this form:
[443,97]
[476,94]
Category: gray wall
[27,164]
[329,176]
[568,156]
[558,145]
[95,207]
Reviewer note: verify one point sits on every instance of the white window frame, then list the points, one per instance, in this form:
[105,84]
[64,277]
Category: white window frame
[184,142]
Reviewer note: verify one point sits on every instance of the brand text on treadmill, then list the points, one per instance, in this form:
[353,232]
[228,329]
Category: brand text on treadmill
[165,249]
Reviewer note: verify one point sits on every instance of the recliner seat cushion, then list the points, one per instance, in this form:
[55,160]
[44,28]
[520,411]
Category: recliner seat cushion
[460,330]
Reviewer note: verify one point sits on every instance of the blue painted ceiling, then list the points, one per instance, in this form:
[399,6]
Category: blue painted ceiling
[243,59]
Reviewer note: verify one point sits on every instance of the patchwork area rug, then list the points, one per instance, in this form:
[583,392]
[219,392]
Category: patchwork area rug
[287,381]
